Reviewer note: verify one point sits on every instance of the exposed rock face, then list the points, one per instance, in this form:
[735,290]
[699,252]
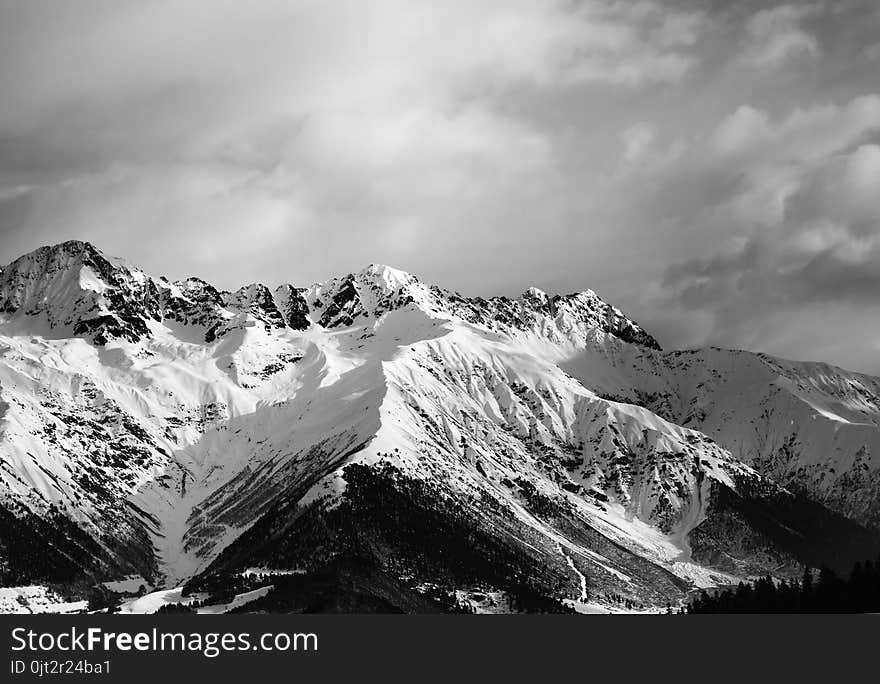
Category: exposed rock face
[78,289]
[543,448]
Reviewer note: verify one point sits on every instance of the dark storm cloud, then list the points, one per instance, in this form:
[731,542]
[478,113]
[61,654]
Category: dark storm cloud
[682,158]
[339,132]
[815,245]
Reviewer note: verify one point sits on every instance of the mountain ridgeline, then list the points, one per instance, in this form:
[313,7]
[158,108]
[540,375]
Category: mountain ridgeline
[375,443]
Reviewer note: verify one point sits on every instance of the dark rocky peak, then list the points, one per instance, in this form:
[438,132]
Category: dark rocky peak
[574,316]
[199,290]
[74,284]
[344,304]
[369,293]
[378,289]
[194,302]
[293,304]
[589,310]
[257,300]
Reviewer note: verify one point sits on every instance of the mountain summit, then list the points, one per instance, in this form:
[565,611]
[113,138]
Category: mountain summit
[73,285]
[374,442]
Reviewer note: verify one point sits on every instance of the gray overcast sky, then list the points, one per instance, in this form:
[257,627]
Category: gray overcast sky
[710,167]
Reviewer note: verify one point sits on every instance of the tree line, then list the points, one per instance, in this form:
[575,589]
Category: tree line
[816,592]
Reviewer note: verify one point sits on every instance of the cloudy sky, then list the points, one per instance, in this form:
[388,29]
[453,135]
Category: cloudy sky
[711,167]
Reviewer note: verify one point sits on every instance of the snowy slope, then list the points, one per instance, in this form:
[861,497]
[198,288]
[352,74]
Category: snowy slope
[184,433]
[810,426]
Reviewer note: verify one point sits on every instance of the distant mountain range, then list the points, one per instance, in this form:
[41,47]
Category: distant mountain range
[375,443]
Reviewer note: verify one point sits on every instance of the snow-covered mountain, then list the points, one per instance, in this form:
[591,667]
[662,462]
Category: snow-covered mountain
[378,443]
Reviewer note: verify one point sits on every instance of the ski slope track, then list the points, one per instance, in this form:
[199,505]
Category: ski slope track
[386,444]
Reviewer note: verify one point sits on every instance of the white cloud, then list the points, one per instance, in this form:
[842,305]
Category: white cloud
[484,145]
[813,163]
[776,35]
[746,129]
[798,229]
[346,117]
[773,160]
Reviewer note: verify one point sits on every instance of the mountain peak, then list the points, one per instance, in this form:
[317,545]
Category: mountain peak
[536,294]
[75,246]
[70,252]
[388,276]
[74,284]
